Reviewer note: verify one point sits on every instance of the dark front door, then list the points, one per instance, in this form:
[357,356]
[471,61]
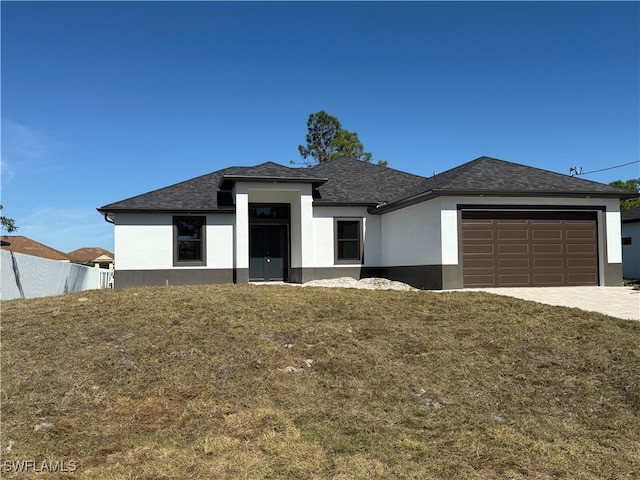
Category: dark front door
[268,259]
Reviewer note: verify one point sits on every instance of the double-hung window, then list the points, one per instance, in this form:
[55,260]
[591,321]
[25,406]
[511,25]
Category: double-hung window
[348,240]
[189,240]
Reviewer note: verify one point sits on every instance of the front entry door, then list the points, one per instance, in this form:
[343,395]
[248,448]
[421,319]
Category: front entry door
[268,259]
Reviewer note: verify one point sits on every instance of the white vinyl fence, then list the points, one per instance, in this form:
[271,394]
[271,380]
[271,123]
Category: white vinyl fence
[26,276]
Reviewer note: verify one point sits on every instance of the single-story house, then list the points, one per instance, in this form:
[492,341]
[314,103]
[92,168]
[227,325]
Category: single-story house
[631,243]
[99,257]
[487,222]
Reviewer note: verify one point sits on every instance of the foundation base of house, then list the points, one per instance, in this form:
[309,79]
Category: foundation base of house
[424,277]
[612,274]
[151,278]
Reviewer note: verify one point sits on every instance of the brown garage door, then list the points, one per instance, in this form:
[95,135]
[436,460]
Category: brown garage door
[528,249]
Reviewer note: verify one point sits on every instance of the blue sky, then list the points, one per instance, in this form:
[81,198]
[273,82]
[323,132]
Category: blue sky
[102,101]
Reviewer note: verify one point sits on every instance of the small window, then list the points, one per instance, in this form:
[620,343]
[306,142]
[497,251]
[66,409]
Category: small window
[348,240]
[269,212]
[626,240]
[189,242]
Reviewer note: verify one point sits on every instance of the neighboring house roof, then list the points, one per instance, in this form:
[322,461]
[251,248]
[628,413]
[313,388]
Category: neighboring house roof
[21,244]
[346,181]
[90,254]
[630,216]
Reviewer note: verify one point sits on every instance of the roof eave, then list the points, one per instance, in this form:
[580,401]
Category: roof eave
[111,212]
[329,203]
[271,179]
[429,194]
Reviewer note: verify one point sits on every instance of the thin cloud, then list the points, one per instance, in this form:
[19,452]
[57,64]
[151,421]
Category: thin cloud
[25,150]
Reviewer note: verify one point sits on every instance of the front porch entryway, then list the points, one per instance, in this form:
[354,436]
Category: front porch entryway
[269,242]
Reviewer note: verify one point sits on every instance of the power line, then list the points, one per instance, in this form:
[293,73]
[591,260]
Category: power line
[578,171]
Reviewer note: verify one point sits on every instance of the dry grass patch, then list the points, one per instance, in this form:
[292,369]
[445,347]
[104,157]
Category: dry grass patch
[280,382]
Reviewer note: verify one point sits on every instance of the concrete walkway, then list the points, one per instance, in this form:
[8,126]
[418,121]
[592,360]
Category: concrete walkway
[620,302]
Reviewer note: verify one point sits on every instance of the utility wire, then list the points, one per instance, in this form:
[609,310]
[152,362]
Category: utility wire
[608,168]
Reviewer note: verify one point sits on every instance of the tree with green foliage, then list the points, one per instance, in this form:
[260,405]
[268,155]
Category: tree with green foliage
[8,224]
[327,140]
[634,186]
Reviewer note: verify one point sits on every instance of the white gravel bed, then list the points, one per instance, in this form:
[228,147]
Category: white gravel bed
[372,283]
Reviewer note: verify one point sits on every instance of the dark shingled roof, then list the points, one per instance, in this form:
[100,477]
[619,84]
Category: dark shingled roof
[270,171]
[203,193]
[200,193]
[356,182]
[630,216]
[346,181]
[490,176]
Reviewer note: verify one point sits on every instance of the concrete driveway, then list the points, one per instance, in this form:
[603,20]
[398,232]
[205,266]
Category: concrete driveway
[621,302]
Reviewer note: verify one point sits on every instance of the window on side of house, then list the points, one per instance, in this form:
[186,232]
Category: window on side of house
[348,240]
[189,240]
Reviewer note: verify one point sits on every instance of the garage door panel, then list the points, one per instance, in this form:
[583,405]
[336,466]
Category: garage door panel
[529,248]
[549,262]
[520,262]
[479,234]
[581,248]
[539,234]
[520,234]
[547,248]
[581,262]
[513,249]
[482,263]
[471,249]
[478,280]
[548,279]
[581,279]
[514,280]
[587,235]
